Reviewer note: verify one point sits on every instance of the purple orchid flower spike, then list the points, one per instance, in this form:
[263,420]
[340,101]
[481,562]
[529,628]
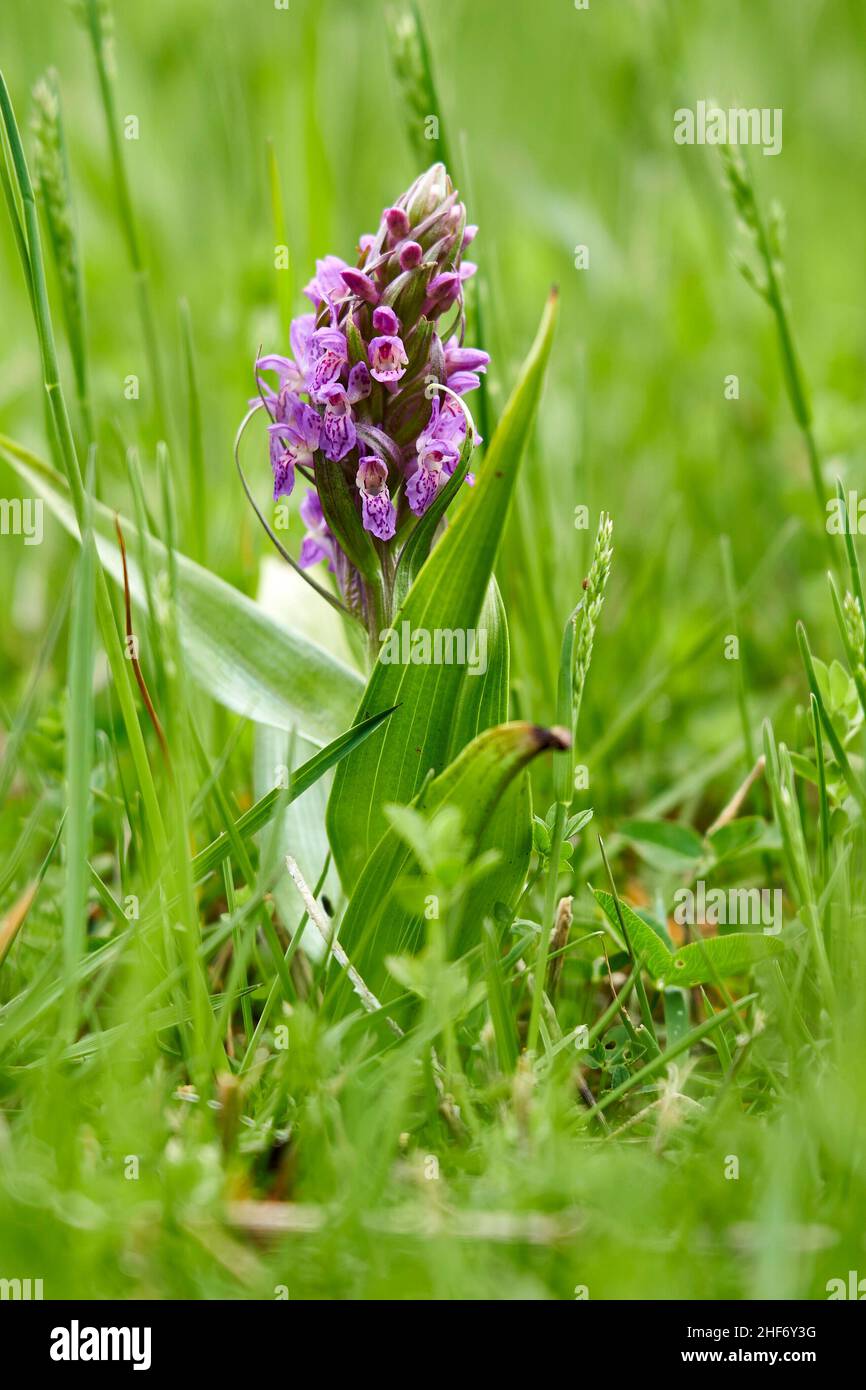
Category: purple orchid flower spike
[373,386]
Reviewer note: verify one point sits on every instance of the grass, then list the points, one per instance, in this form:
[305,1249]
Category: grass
[191,1105]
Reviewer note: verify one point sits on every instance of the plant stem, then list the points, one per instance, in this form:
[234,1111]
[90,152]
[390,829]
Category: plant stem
[556,839]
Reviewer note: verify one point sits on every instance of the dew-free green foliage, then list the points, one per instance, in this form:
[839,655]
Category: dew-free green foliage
[543,1078]
[448,594]
[380,921]
[238,654]
[702,962]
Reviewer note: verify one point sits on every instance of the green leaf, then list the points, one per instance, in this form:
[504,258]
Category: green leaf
[804,768]
[645,941]
[737,836]
[540,836]
[664,844]
[240,656]
[676,1015]
[300,829]
[702,962]
[576,823]
[341,515]
[823,678]
[448,594]
[484,703]
[841,686]
[376,923]
[718,956]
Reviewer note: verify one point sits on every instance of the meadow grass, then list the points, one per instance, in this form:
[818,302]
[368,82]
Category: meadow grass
[571,1094]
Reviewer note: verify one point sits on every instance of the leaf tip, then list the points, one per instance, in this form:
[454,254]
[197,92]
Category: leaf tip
[556,737]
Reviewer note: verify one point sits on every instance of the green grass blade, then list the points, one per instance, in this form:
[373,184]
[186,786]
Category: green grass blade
[234,651]
[855,786]
[198,499]
[79,760]
[684,1044]
[497,999]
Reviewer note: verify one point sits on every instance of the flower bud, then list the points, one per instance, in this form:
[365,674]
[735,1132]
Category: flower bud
[385,320]
[397,223]
[406,294]
[361,285]
[427,193]
[410,255]
[442,293]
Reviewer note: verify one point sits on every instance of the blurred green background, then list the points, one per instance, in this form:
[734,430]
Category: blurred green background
[561,126]
[562,123]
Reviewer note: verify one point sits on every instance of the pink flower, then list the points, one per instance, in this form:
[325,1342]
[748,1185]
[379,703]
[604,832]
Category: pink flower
[388,360]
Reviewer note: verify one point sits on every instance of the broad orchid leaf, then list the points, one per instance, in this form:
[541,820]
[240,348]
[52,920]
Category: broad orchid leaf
[483,703]
[234,650]
[448,595]
[377,923]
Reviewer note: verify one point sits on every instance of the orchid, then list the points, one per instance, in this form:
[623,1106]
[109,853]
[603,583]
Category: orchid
[373,386]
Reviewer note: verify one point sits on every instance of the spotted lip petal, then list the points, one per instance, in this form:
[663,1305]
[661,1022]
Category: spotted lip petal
[338,425]
[422,487]
[379,515]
